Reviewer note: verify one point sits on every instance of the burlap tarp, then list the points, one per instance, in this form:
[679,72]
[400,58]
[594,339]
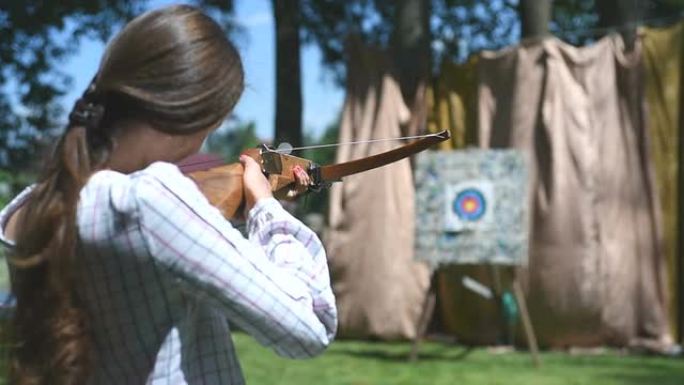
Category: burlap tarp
[379,288]
[597,270]
[662,62]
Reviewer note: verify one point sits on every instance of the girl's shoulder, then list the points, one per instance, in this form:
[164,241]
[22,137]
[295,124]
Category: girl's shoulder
[159,172]
[109,193]
[160,181]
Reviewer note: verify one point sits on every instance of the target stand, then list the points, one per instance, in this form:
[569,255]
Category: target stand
[472,208]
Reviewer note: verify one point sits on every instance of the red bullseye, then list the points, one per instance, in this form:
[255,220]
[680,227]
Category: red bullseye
[469,205]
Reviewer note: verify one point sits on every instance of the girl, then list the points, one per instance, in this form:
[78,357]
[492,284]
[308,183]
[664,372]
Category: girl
[122,271]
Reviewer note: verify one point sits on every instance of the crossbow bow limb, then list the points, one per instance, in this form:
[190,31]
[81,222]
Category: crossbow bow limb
[222,183]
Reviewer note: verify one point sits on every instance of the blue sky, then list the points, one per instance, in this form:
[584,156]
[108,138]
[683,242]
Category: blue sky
[322,98]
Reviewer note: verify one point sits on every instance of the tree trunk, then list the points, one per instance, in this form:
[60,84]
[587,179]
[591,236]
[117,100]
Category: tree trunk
[621,15]
[412,45]
[413,58]
[288,115]
[534,18]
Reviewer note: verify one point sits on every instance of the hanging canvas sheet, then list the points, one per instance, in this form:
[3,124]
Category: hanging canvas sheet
[662,55]
[378,286]
[597,269]
[471,207]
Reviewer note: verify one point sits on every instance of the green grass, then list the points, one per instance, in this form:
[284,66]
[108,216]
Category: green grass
[375,363]
[364,363]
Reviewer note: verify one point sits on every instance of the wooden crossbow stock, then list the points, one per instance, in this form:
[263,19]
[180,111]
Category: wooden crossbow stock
[222,183]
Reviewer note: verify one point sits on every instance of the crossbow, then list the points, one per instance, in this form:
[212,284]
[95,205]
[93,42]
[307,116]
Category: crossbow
[222,183]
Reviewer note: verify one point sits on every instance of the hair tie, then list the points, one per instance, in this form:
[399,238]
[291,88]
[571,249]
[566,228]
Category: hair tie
[87,114]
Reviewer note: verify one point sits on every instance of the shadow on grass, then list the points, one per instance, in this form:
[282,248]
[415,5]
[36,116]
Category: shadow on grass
[668,377]
[644,363]
[441,354]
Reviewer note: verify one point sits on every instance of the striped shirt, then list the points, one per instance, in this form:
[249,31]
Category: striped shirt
[165,277]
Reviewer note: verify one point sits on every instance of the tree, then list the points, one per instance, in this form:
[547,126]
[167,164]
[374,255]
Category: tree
[459,28]
[411,43]
[463,27]
[232,138]
[37,36]
[534,18]
[288,117]
[327,24]
[625,16]
[572,19]
[34,41]
[621,15]
[583,21]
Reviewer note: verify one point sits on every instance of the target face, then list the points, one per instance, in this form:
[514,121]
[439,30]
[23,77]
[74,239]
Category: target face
[470,205]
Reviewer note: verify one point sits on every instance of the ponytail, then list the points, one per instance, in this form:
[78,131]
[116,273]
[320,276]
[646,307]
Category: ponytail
[52,341]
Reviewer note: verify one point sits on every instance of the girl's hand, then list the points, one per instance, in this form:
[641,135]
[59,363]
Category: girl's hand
[302,182]
[254,183]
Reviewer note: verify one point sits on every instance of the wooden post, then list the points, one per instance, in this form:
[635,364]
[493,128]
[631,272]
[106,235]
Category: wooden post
[429,308]
[425,316]
[498,290]
[527,323]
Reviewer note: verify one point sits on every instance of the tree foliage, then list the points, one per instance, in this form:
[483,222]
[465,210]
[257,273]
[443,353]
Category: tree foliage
[37,37]
[232,138]
[459,28]
[327,23]
[580,21]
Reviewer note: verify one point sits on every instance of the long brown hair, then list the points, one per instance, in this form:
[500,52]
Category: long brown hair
[173,68]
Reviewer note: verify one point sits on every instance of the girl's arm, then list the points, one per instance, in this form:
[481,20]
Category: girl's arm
[276,286]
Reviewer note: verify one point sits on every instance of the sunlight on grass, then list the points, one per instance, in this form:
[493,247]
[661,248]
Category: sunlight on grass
[376,363]
[364,363]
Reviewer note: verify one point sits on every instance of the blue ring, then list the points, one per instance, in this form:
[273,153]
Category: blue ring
[479,198]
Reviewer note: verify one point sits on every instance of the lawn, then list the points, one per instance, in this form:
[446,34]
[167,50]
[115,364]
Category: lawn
[363,363]
[366,363]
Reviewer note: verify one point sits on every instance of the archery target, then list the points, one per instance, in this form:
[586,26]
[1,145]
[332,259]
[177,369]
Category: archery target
[468,205]
[472,207]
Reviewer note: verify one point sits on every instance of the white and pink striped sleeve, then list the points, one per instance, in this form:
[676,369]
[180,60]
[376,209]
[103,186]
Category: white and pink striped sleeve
[275,287]
[285,239]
